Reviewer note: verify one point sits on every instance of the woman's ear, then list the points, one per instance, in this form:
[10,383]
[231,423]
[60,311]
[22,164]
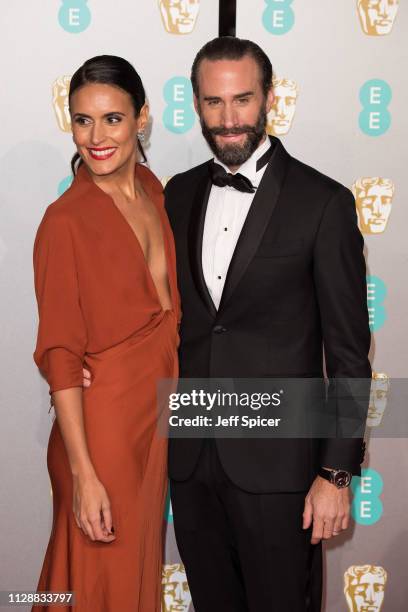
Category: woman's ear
[143,117]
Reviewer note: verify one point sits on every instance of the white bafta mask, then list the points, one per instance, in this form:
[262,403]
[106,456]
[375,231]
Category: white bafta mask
[364,587]
[179,16]
[60,91]
[164,180]
[377,16]
[176,596]
[373,197]
[380,386]
[281,115]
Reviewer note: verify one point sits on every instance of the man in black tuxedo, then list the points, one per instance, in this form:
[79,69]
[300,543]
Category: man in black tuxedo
[272,276]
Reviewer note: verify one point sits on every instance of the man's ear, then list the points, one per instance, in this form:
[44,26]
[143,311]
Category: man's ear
[270,97]
[196,104]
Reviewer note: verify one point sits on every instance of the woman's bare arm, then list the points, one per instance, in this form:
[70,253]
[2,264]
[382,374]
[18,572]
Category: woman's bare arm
[91,504]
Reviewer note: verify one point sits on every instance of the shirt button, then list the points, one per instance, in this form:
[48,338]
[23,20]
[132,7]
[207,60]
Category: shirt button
[219,329]
[219,277]
[225,229]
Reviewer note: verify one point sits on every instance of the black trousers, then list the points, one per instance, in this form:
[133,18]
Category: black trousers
[243,552]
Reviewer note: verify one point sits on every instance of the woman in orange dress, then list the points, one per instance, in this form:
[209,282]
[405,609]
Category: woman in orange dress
[105,279]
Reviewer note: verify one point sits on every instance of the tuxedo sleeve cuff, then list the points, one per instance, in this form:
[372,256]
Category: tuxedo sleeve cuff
[343,454]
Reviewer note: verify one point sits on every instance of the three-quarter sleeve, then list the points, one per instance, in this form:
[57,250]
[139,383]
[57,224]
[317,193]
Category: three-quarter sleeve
[62,337]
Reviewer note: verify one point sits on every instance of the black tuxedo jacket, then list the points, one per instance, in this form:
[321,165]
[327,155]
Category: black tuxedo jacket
[296,283]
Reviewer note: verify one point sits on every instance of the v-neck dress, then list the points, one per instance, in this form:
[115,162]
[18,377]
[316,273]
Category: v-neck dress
[99,308]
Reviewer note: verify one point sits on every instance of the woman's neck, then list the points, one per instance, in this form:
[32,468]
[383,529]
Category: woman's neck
[122,181]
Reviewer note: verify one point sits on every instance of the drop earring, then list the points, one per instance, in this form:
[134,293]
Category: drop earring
[141,136]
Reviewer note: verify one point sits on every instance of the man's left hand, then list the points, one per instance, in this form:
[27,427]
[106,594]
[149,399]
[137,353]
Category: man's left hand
[329,509]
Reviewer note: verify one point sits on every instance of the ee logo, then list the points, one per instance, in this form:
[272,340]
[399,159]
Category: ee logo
[375,118]
[278,17]
[74,16]
[366,507]
[376,293]
[64,184]
[178,116]
[168,510]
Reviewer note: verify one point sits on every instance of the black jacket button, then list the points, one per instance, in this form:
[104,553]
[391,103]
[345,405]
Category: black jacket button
[219,329]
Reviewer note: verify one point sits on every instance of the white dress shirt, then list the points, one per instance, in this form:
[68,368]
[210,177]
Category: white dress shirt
[225,216]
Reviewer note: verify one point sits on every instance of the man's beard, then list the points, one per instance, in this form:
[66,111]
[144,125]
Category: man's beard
[234,154]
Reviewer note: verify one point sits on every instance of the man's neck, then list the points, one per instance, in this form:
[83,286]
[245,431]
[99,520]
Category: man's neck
[234,169]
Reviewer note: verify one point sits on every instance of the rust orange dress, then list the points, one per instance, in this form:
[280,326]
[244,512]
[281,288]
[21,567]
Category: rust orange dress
[98,306]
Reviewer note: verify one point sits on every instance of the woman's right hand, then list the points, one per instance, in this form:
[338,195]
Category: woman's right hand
[91,508]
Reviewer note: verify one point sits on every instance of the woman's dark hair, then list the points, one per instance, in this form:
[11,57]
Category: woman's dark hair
[231,48]
[109,70]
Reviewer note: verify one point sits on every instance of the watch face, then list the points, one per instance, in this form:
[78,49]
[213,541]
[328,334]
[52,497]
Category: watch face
[342,479]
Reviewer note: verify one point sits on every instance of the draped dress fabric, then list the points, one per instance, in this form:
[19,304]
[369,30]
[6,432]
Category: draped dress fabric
[99,307]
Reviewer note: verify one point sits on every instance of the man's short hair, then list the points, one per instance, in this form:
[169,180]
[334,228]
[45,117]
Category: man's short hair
[232,48]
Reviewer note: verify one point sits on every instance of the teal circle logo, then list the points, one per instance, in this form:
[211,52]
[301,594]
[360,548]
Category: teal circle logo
[74,16]
[168,510]
[278,17]
[64,184]
[376,294]
[178,116]
[375,118]
[366,507]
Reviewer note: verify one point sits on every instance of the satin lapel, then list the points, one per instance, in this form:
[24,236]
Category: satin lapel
[195,239]
[257,220]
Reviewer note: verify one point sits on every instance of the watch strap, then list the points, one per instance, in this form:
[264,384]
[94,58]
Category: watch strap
[340,478]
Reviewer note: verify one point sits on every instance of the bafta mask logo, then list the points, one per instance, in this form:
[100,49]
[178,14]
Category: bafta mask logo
[373,197]
[179,16]
[176,596]
[281,115]
[377,16]
[164,180]
[60,90]
[380,387]
[364,587]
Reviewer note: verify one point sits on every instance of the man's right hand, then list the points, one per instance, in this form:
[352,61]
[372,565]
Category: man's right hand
[86,382]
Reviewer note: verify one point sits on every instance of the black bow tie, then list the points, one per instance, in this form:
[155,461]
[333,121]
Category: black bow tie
[222,178]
